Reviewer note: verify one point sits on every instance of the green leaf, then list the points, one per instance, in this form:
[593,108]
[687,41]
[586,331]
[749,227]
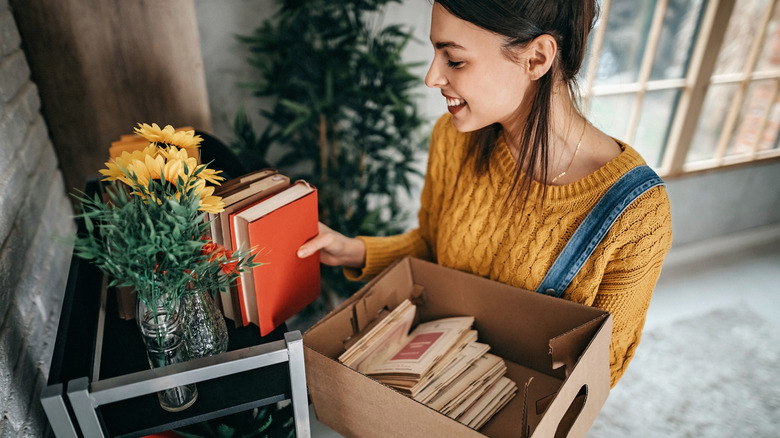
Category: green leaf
[225,431]
[265,425]
[295,107]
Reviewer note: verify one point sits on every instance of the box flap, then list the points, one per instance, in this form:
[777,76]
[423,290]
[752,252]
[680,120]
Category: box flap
[328,335]
[567,348]
[519,329]
[377,302]
[575,406]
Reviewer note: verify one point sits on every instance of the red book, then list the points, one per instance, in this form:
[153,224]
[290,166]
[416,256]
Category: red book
[275,228]
[238,194]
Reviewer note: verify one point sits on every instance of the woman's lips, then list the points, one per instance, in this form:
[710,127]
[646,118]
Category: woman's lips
[454,104]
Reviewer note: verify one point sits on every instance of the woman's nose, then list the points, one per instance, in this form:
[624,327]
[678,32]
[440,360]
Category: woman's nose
[434,78]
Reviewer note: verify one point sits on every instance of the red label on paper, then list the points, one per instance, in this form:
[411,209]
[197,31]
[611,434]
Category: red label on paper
[417,346]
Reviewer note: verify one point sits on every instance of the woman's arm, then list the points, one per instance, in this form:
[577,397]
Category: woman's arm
[627,285]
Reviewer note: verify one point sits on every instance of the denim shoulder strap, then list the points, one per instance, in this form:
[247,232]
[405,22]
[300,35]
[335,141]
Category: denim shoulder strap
[595,226]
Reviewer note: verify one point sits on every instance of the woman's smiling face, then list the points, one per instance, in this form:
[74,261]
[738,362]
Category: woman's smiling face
[480,83]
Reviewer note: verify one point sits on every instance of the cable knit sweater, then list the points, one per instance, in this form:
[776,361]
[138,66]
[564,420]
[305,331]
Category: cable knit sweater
[463,224]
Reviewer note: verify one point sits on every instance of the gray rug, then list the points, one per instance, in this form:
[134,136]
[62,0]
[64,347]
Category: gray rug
[716,375]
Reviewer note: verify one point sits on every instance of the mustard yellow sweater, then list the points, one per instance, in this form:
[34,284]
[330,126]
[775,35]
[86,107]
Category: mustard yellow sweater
[463,225]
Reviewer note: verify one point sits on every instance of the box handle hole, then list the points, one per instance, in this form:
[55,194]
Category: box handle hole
[572,413]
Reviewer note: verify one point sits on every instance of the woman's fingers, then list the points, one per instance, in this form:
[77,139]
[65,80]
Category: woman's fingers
[321,241]
[335,248]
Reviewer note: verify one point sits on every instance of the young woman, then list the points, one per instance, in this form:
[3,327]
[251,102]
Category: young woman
[514,168]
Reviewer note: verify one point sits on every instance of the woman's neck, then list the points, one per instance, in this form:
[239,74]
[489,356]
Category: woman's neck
[567,130]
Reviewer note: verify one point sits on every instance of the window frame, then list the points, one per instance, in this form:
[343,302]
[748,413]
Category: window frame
[692,87]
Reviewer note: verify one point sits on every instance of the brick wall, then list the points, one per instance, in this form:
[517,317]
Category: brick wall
[34,213]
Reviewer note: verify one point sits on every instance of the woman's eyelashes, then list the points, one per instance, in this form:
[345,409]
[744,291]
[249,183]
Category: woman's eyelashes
[454,64]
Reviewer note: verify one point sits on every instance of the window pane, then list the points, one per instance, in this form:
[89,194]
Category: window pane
[739,35]
[655,120]
[758,99]
[770,53]
[713,115]
[770,138]
[611,114]
[681,24]
[624,42]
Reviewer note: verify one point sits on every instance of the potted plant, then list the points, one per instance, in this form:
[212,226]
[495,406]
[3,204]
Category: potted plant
[342,115]
[149,232]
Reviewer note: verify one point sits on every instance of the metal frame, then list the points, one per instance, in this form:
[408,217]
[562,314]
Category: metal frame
[86,397]
[72,397]
[53,402]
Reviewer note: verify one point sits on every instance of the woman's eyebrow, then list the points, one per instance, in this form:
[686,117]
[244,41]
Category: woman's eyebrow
[448,45]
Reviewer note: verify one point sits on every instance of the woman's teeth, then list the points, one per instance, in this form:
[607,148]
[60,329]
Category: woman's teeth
[455,102]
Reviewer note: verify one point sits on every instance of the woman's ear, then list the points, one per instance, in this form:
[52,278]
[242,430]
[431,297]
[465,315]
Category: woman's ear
[540,54]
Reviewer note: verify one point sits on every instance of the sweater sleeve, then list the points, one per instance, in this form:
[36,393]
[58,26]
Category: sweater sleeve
[625,290]
[381,252]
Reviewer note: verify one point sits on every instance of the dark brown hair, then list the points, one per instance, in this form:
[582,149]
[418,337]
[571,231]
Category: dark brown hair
[521,21]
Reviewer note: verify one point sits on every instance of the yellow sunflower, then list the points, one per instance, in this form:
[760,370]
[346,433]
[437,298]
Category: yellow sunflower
[173,170]
[168,135]
[154,166]
[114,168]
[210,175]
[173,153]
[210,203]
[139,168]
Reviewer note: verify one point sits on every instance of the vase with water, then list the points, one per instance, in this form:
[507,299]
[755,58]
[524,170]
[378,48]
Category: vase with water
[163,335]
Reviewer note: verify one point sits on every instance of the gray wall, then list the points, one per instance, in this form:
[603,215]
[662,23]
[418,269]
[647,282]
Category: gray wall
[726,201]
[703,205]
[33,266]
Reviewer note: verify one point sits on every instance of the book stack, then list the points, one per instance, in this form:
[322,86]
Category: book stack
[273,217]
[439,363]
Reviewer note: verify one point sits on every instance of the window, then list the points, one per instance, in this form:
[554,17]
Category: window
[691,84]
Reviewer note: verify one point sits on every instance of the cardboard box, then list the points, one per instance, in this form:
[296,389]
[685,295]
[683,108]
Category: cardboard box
[556,350]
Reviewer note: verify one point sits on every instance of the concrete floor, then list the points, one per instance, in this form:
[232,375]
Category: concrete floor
[700,277]
[719,273]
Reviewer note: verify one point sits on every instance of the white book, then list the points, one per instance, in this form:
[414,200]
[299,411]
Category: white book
[412,386]
[462,362]
[382,339]
[490,403]
[465,381]
[422,348]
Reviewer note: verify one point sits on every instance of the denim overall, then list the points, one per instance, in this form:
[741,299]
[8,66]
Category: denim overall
[595,226]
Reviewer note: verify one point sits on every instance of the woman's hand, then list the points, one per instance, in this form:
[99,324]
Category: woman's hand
[335,249]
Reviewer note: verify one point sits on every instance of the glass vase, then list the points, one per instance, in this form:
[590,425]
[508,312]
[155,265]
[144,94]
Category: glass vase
[205,330]
[163,335]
